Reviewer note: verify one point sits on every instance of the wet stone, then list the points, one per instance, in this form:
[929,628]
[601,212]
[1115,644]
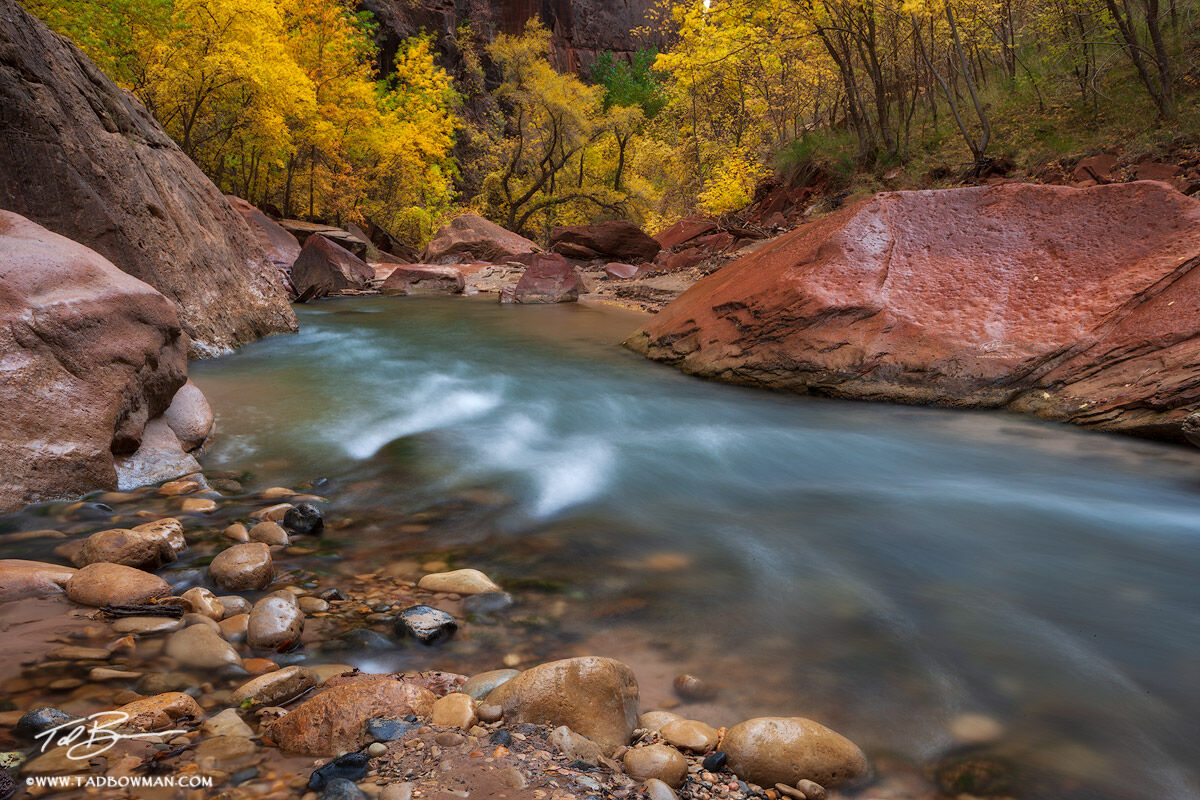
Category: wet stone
[657,790]
[147,625]
[342,789]
[481,685]
[388,729]
[502,738]
[304,519]
[425,624]
[350,767]
[364,638]
[41,720]
[714,762]
[811,789]
[162,682]
[487,603]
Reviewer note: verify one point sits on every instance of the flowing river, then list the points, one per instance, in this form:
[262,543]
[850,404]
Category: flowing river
[886,570]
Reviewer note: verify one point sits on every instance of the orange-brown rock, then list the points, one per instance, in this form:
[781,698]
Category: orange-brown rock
[91,354]
[332,722]
[770,750]
[1071,304]
[20,579]
[596,697]
[104,584]
[160,711]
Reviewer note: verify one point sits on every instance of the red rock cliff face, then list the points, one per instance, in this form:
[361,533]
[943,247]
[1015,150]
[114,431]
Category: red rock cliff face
[582,29]
[1072,304]
[86,160]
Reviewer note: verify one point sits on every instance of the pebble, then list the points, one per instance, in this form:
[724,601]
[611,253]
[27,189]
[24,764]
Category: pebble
[397,791]
[312,605]
[501,738]
[376,749]
[101,674]
[425,624]
[690,735]
[811,789]
[200,647]
[490,712]
[226,723]
[304,519]
[274,513]
[770,750]
[204,602]
[104,584]
[350,767]
[276,622]
[487,603]
[176,488]
[191,618]
[655,720]
[714,762]
[449,739]
[40,720]
[237,532]
[72,652]
[689,687]
[455,710]
[276,493]
[162,682]
[575,746]
[975,729]
[147,625]
[657,790]
[233,629]
[234,605]
[141,549]
[274,688]
[656,761]
[160,711]
[481,685]
[243,567]
[225,753]
[198,505]
[269,533]
[389,729]
[459,581]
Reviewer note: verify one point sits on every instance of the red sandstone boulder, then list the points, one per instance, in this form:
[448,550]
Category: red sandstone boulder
[423,279]
[345,239]
[620,272]
[1099,168]
[1071,304]
[619,240]
[472,238]
[332,722]
[324,267]
[91,354]
[685,230]
[85,159]
[550,279]
[281,247]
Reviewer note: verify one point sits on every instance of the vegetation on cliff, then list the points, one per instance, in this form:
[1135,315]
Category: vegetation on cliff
[281,101]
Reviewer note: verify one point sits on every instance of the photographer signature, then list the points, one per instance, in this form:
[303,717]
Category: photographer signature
[84,741]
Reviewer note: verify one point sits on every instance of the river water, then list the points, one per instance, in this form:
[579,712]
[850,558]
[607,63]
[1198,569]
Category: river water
[883,569]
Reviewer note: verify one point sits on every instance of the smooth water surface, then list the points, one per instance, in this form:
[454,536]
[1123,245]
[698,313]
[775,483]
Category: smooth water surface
[883,569]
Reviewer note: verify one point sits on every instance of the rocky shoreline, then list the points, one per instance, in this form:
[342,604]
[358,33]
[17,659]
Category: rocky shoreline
[237,661]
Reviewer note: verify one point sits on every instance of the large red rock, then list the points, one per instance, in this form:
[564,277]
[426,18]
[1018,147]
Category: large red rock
[549,279]
[332,722]
[685,230]
[324,267]
[85,159]
[1071,304]
[90,354]
[348,240]
[618,240]
[281,247]
[417,279]
[470,238]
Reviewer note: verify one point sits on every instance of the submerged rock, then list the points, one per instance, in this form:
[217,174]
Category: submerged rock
[425,624]
[596,697]
[200,647]
[40,720]
[1070,304]
[142,549]
[770,750]
[20,579]
[243,567]
[114,584]
[459,581]
[304,519]
[275,623]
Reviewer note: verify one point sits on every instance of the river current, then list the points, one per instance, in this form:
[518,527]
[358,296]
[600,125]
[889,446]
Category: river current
[883,569]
